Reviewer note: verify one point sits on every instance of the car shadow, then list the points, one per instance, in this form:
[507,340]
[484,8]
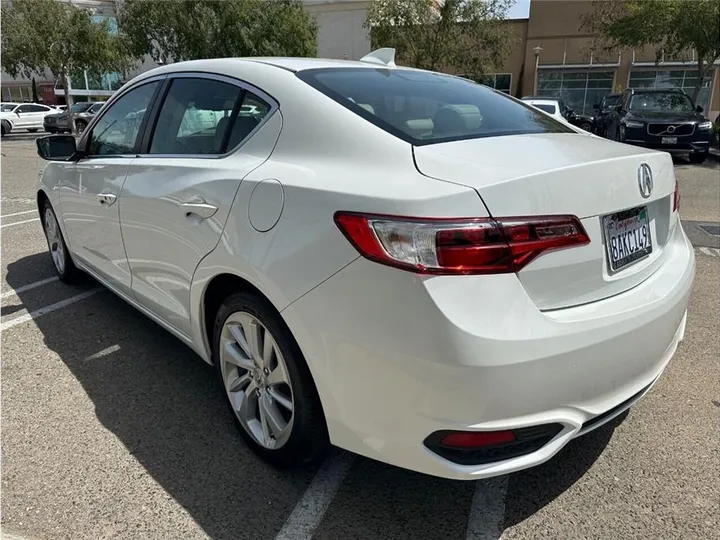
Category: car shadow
[164,405]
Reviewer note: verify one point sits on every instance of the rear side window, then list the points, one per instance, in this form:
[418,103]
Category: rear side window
[426,108]
[546,107]
[205,116]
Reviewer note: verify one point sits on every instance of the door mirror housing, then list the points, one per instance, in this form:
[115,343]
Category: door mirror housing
[699,109]
[57,148]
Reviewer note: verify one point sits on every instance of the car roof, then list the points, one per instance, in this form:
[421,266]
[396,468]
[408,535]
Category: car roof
[656,90]
[548,100]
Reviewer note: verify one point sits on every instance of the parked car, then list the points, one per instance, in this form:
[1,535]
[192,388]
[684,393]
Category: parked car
[664,119]
[371,285]
[559,109]
[83,112]
[602,111]
[22,116]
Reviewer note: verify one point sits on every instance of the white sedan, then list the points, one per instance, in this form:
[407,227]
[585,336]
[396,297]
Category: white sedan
[368,263]
[23,116]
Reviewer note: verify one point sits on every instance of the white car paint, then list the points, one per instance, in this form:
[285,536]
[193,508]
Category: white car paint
[395,355]
[24,116]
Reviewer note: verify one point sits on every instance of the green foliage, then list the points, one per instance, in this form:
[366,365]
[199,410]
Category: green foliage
[188,30]
[464,36]
[673,26]
[40,34]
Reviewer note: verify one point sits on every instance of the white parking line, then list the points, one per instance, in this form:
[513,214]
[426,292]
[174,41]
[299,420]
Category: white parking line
[712,252]
[15,292]
[310,509]
[47,309]
[488,509]
[19,213]
[19,222]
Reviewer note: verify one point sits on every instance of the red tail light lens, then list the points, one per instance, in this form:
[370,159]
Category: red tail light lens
[477,439]
[459,246]
[676,197]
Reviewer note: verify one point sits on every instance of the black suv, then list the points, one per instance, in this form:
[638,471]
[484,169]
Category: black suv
[661,119]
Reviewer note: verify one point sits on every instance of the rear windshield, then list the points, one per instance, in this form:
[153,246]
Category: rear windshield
[610,101]
[661,101]
[546,107]
[425,108]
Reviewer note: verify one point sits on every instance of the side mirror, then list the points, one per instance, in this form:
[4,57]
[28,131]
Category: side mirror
[699,108]
[56,147]
[596,106]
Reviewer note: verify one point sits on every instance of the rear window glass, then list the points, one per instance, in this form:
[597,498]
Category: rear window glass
[545,107]
[425,108]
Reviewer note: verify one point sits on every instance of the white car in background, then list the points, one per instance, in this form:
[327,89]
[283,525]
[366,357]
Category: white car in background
[23,116]
[553,107]
[367,261]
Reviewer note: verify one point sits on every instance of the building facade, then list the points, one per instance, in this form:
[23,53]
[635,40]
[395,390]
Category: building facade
[558,61]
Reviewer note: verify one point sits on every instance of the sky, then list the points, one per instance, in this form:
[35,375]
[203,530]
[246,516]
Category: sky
[521,10]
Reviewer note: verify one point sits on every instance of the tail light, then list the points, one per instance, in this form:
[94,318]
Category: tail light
[676,197]
[459,246]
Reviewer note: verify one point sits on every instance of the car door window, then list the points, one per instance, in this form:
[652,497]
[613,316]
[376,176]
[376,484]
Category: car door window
[23,109]
[204,116]
[117,130]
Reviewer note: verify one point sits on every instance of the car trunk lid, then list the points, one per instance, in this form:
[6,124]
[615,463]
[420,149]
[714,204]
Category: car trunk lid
[567,174]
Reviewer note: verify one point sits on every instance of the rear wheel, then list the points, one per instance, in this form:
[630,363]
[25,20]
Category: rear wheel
[698,158]
[64,266]
[4,128]
[267,383]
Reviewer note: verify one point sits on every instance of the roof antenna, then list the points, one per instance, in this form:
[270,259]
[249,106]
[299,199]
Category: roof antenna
[384,57]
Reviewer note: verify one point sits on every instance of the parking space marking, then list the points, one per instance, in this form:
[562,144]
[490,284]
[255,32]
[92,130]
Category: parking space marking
[488,509]
[310,509]
[19,222]
[47,309]
[15,292]
[18,213]
[712,252]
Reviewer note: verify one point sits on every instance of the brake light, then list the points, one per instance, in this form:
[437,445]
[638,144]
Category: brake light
[676,197]
[458,246]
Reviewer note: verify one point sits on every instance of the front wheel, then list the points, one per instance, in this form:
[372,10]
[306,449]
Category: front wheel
[587,126]
[80,126]
[4,129]
[267,383]
[698,158]
[63,263]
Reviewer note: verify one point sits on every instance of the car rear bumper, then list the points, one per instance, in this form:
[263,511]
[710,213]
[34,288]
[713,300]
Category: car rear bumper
[397,357]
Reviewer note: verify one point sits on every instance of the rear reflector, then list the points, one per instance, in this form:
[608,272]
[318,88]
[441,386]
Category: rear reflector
[459,246]
[481,447]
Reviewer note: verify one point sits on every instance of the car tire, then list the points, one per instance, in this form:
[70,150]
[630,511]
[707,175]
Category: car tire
[80,126]
[33,130]
[4,129]
[293,403]
[698,158]
[587,126]
[59,253]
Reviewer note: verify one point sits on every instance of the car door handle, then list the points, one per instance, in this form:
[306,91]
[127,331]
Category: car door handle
[201,209]
[106,198]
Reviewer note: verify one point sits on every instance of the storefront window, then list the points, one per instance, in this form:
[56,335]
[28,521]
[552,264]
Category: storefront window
[684,79]
[580,90]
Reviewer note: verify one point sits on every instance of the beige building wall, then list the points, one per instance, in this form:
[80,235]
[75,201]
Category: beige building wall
[340,28]
[555,26]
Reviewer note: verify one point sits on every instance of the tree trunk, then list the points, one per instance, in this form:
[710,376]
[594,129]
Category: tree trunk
[34,91]
[68,101]
[700,79]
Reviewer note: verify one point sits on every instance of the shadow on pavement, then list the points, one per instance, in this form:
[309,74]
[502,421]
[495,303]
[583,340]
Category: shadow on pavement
[163,403]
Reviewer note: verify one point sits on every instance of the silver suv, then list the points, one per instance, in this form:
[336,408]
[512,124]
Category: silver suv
[83,113]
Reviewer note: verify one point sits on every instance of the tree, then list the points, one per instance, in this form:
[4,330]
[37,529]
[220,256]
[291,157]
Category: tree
[188,30]
[465,36]
[59,36]
[674,26]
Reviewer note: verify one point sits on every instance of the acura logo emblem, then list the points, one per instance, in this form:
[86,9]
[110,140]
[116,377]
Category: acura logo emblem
[645,180]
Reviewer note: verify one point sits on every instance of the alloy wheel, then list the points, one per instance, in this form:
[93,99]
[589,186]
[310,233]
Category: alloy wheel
[256,380]
[54,239]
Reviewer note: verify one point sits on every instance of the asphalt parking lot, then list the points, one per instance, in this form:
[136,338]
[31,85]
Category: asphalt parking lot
[111,428]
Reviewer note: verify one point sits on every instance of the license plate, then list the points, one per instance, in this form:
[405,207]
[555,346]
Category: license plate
[669,140]
[627,237]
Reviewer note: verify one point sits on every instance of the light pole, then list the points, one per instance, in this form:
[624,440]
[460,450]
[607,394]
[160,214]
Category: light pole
[537,49]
